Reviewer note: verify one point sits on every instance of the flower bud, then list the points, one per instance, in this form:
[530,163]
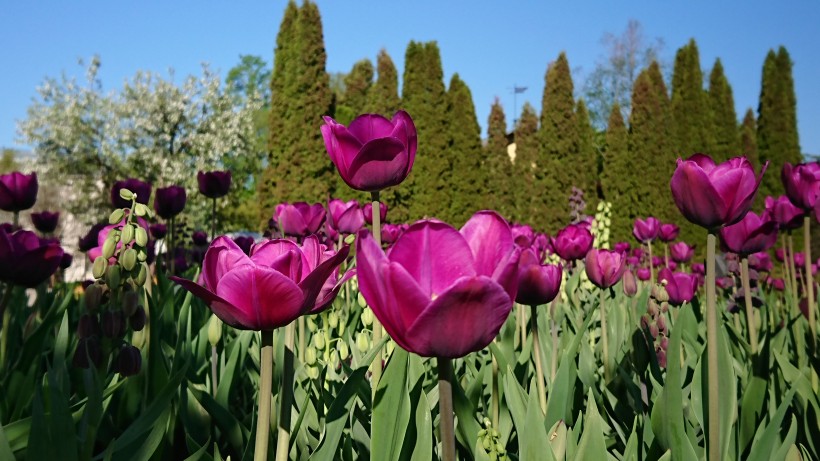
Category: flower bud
[311,324]
[343,351]
[313,372]
[116,216]
[129,259]
[113,324]
[367,317]
[333,320]
[319,341]
[653,330]
[99,267]
[126,194]
[109,247]
[360,300]
[661,322]
[129,361]
[141,236]
[93,295]
[652,309]
[142,276]
[214,330]
[130,302]
[127,234]
[310,356]
[334,359]
[112,276]
[137,320]
[362,343]
[141,210]
[88,326]
[88,352]
[662,295]
[138,339]
[142,256]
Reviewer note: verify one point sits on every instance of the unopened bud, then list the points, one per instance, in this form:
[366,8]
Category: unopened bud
[108,248]
[141,210]
[367,317]
[116,216]
[652,308]
[129,259]
[214,330]
[113,324]
[343,351]
[127,234]
[319,341]
[141,236]
[126,194]
[99,267]
[129,361]
[88,326]
[362,343]
[333,320]
[662,295]
[93,295]
[360,300]
[142,276]
[130,302]
[137,320]
[311,324]
[310,356]
[113,276]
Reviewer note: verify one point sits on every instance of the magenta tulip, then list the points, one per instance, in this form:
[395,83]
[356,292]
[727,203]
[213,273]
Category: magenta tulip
[572,242]
[368,212]
[643,274]
[681,252]
[761,262]
[711,195]
[373,153]
[272,287]
[440,292]
[214,184]
[169,201]
[751,234]
[668,232]
[299,219]
[802,184]
[783,211]
[605,267]
[537,283]
[523,235]
[45,221]
[391,233]
[679,285]
[142,190]
[18,191]
[26,259]
[646,230]
[630,285]
[622,247]
[345,217]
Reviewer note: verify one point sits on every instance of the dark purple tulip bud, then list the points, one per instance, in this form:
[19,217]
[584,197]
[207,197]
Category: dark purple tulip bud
[169,201]
[779,255]
[299,219]
[638,252]
[372,153]
[45,221]
[681,252]
[88,353]
[88,326]
[633,261]
[26,259]
[368,212]
[713,196]
[573,242]
[66,261]
[18,191]
[214,184]
[181,264]
[522,235]
[630,285]
[345,217]
[672,265]
[751,234]
[537,284]
[604,267]
[200,238]
[113,324]
[158,230]
[129,361]
[783,211]
[137,320]
[543,244]
[645,231]
[802,184]
[142,189]
[643,274]
[622,247]
[778,284]
[668,232]
[390,233]
[244,242]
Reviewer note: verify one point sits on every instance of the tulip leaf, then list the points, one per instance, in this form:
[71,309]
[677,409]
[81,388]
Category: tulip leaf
[534,443]
[5,448]
[238,348]
[423,451]
[467,427]
[592,444]
[559,402]
[391,409]
[766,437]
[751,408]
[223,418]
[336,416]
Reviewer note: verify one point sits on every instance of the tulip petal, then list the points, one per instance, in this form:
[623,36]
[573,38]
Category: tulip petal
[462,320]
[367,127]
[434,254]
[223,309]
[329,292]
[490,240]
[403,118]
[222,256]
[695,196]
[312,284]
[36,266]
[370,266]
[263,295]
[380,163]
[408,299]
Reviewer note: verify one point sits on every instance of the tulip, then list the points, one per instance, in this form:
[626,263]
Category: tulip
[681,252]
[778,284]
[799,259]
[630,285]
[26,259]
[244,242]
[102,235]
[622,247]
[129,361]
[18,191]
[89,241]
[634,262]
[802,184]
[605,267]
[200,238]
[543,244]
[751,234]
[140,188]
[214,184]
[573,242]
[158,230]
[668,232]
[783,211]
[761,262]
[680,286]
[299,219]
[391,233]
[643,274]
[66,260]
[345,217]
[368,212]
[45,221]
[523,235]
[169,201]
[645,231]
[537,284]
[373,153]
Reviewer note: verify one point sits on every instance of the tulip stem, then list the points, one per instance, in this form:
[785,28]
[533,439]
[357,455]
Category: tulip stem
[286,398]
[747,295]
[651,266]
[522,324]
[712,351]
[604,336]
[5,314]
[445,406]
[539,369]
[302,339]
[793,272]
[787,278]
[213,220]
[376,366]
[494,397]
[666,254]
[810,292]
[260,452]
[15,220]
[214,360]
[554,351]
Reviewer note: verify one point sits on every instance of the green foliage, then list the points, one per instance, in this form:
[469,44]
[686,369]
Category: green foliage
[722,103]
[383,98]
[356,87]
[588,153]
[8,161]
[497,165]
[527,145]
[692,121]
[250,78]
[748,139]
[469,179]
[619,184]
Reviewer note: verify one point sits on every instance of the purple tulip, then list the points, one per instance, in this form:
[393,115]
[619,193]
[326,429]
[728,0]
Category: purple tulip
[96,251]
[760,262]
[279,282]
[169,201]
[89,241]
[543,244]
[802,184]
[632,261]
[200,238]
[573,242]
[214,184]
[638,252]
[373,153]
[622,247]
[605,267]
[440,292]
[657,261]
[18,191]
[668,232]
[751,234]
[523,235]
[725,282]
[712,195]
[299,219]
[45,221]
[799,260]
[129,361]
[537,283]
[368,212]
[779,284]
[681,252]
[779,255]
[345,217]
[66,260]
[158,230]
[26,259]
[630,285]
[643,274]
[679,285]
[391,233]
[142,189]
[783,211]
[698,268]
[244,242]
[645,231]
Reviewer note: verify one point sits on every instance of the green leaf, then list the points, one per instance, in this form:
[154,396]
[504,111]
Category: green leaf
[391,409]
[559,403]
[467,427]
[423,451]
[766,438]
[148,446]
[751,407]
[337,414]
[225,420]
[788,442]
[533,441]
[592,444]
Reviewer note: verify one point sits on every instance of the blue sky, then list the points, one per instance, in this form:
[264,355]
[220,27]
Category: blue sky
[491,44]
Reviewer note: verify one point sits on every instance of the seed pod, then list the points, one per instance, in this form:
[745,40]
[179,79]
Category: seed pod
[311,324]
[129,259]
[126,194]
[141,236]
[109,247]
[360,300]
[214,330]
[333,320]
[116,216]
[367,317]
[127,234]
[99,267]
[140,209]
[310,356]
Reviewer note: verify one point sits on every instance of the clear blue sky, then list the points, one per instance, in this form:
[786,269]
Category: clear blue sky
[491,44]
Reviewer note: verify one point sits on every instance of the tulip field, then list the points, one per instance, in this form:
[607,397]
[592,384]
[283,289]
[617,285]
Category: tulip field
[340,335]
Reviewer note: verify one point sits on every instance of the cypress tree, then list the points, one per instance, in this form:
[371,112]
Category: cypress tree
[691,115]
[426,192]
[558,166]
[725,129]
[357,87]
[777,139]
[587,153]
[468,181]
[299,167]
[529,208]
[383,97]
[619,182]
[497,164]
[748,139]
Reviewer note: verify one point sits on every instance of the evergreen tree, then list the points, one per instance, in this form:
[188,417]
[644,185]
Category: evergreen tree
[383,97]
[299,167]
[497,164]
[426,192]
[618,179]
[357,85]
[748,139]
[468,181]
[725,129]
[528,197]
[777,139]
[559,168]
[587,153]
[691,115]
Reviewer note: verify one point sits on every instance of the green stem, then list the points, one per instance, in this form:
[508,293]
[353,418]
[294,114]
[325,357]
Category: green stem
[214,359]
[522,324]
[213,220]
[16,220]
[787,278]
[286,398]
[554,334]
[666,254]
[494,397]
[302,339]
[747,295]
[651,266]
[810,293]
[604,336]
[260,452]
[793,271]
[712,351]
[445,405]
[539,370]
[376,366]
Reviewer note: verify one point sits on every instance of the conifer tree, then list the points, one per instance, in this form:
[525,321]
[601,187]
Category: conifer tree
[468,181]
[558,166]
[587,154]
[497,164]
[383,97]
[748,139]
[529,200]
[618,179]
[357,86]
[725,128]
[691,115]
